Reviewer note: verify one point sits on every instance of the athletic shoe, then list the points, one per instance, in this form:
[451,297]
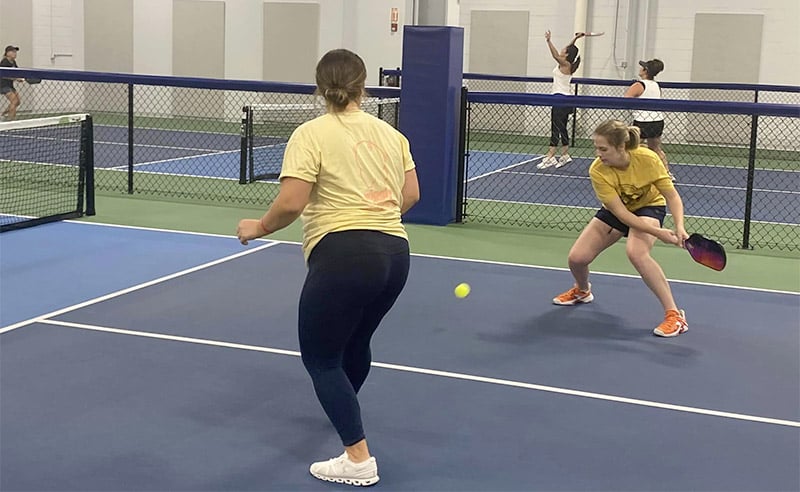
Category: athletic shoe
[574,296]
[673,325]
[342,470]
[547,162]
[672,177]
[563,160]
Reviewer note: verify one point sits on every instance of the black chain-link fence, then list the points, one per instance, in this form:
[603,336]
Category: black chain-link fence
[737,165]
[179,138]
[475,82]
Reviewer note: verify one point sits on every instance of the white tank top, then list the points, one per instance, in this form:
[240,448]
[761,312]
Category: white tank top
[561,82]
[651,91]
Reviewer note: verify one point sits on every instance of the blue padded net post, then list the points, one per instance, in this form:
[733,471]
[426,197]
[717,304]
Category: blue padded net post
[430,98]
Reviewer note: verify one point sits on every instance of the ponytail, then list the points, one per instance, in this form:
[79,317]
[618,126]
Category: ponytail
[573,58]
[574,65]
[634,137]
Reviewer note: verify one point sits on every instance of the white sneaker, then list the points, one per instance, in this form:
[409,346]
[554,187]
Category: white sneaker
[563,160]
[342,470]
[547,162]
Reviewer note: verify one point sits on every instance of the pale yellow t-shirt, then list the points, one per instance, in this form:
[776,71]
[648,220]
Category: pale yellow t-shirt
[357,163]
[639,185]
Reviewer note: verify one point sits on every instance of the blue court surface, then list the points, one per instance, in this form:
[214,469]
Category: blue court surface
[149,360]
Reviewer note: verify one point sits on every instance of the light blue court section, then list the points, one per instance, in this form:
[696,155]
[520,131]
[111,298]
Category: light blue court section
[57,265]
[481,163]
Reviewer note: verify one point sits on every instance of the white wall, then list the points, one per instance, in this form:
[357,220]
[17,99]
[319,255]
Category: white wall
[372,38]
[667,34]
[363,26]
[54,33]
[675,21]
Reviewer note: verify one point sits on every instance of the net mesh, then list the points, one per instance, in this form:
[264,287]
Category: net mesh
[267,128]
[43,166]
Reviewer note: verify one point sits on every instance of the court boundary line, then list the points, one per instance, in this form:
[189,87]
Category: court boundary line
[171,159]
[504,169]
[452,258]
[443,374]
[679,164]
[133,288]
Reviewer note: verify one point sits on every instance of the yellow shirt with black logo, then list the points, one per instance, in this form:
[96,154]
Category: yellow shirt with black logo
[637,186]
[357,163]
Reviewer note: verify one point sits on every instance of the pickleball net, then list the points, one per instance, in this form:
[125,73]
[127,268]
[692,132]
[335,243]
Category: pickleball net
[266,129]
[46,170]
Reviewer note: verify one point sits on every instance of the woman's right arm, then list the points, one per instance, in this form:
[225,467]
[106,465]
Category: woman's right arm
[635,90]
[410,191]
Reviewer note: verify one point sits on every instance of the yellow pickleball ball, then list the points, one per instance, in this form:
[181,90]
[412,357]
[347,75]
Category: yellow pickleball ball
[462,290]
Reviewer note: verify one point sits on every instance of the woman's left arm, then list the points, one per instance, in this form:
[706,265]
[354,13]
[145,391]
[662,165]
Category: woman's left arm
[675,205]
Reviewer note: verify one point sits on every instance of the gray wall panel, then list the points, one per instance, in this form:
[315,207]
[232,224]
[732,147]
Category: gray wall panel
[727,48]
[108,47]
[291,41]
[16,27]
[198,50]
[498,42]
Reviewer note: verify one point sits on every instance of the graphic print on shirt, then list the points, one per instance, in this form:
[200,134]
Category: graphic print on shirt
[630,194]
[375,180]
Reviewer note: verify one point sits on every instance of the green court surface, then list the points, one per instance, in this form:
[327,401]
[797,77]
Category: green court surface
[756,269]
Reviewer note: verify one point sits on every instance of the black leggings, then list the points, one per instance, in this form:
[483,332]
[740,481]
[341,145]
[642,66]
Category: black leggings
[558,125]
[354,278]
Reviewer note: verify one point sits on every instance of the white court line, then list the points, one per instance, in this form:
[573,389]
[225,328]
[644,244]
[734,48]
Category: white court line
[215,152]
[153,146]
[456,258]
[118,293]
[444,374]
[503,169]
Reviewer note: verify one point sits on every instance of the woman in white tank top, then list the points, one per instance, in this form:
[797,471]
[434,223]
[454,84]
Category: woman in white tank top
[568,61]
[651,123]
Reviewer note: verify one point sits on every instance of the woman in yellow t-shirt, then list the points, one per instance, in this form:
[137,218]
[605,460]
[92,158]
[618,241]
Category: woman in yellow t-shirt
[350,176]
[634,188]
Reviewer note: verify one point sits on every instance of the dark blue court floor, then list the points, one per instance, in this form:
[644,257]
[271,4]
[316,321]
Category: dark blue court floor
[707,191]
[85,408]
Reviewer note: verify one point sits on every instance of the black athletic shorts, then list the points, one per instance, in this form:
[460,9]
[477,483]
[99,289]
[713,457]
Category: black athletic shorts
[657,212]
[650,129]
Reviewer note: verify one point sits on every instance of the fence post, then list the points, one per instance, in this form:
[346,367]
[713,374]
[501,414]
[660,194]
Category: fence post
[461,186]
[130,139]
[574,117]
[751,172]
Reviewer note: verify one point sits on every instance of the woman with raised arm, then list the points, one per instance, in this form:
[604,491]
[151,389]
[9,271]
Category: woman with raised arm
[567,61]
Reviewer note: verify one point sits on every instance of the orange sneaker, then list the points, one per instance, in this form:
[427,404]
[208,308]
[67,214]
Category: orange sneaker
[574,296]
[673,325]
